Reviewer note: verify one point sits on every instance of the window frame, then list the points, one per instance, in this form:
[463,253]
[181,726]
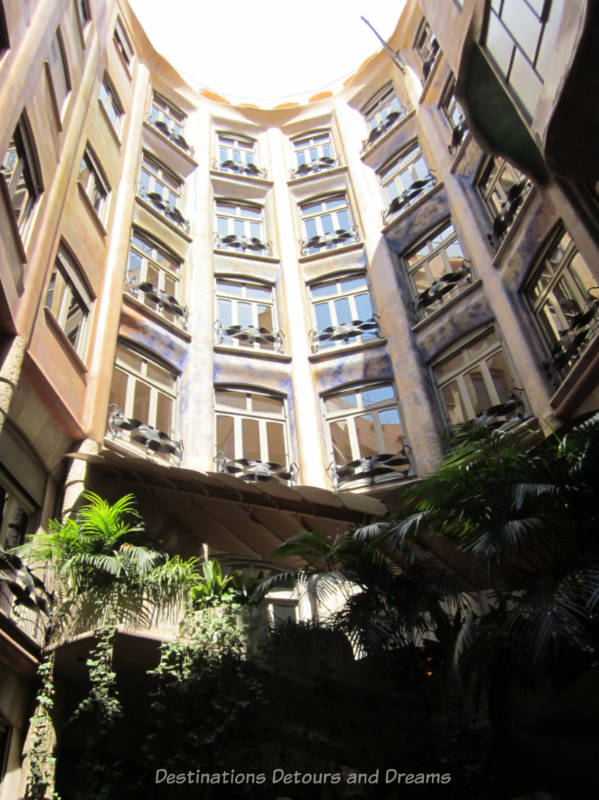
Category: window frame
[94,184]
[24,166]
[382,114]
[428,48]
[123,44]
[338,236]
[355,333]
[75,287]
[83,13]
[15,497]
[115,105]
[233,230]
[504,212]
[52,65]
[236,153]
[409,161]
[253,338]
[318,144]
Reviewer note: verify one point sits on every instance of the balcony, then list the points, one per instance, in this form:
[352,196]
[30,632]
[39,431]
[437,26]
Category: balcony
[457,136]
[505,415]
[376,468]
[508,212]
[408,197]
[171,133]
[390,120]
[248,169]
[242,244]
[158,300]
[249,336]
[328,241]
[154,441]
[573,341]
[171,212]
[345,333]
[442,289]
[313,167]
[254,471]
[24,599]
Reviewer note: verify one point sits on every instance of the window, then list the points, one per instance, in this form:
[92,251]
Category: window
[453,114]
[365,434]
[503,189]
[93,183]
[476,381]
[4,745]
[246,315]
[404,179]
[58,73]
[111,103]
[517,41]
[21,175]
[169,119]
[83,14]
[121,41]
[427,47]
[17,516]
[381,112]
[154,274]
[342,312]
[559,294]
[240,226]
[313,153]
[251,436]
[327,224]
[237,154]
[69,299]
[437,269]
[142,401]
[162,188]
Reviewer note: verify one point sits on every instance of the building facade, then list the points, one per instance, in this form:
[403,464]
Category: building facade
[261,320]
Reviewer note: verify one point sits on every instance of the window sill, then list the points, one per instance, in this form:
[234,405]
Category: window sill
[348,248]
[438,312]
[410,209]
[155,316]
[238,178]
[94,214]
[70,351]
[242,255]
[367,154]
[164,138]
[246,352]
[517,223]
[346,349]
[125,448]
[113,131]
[323,173]
[158,215]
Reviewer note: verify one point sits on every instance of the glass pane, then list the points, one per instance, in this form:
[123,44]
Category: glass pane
[525,82]
[323,290]
[141,402]
[244,314]
[501,377]
[270,405]
[353,284]
[118,390]
[251,439]
[225,437]
[477,391]
[343,402]
[454,403]
[582,275]
[74,321]
[129,357]
[164,413]
[499,44]
[230,399]
[363,307]
[523,25]
[366,432]
[377,395]
[340,440]
[391,430]
[265,317]
[275,435]
[224,312]
[161,375]
[323,316]
[258,292]
[343,310]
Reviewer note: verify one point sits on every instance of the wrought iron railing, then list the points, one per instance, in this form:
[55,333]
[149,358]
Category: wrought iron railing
[457,136]
[248,169]
[242,244]
[254,471]
[312,167]
[161,300]
[572,342]
[345,332]
[409,196]
[328,241]
[154,441]
[171,212]
[443,288]
[376,132]
[374,468]
[249,336]
[508,212]
[171,133]
[506,414]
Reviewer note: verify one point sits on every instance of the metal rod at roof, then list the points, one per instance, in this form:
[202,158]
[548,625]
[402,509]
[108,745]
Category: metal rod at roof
[393,56]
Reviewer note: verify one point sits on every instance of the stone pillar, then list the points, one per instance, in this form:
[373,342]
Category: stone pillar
[75,479]
[10,372]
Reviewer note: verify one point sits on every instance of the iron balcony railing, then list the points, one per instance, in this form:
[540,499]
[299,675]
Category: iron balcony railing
[248,169]
[171,133]
[409,196]
[163,302]
[328,241]
[313,167]
[374,468]
[572,342]
[507,414]
[154,441]
[249,335]
[171,212]
[442,289]
[457,136]
[390,120]
[232,241]
[345,333]
[508,212]
[255,471]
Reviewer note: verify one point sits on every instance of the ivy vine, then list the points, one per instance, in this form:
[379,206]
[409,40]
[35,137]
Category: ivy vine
[40,752]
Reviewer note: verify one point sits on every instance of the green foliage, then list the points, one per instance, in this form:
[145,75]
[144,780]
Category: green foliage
[40,751]
[216,589]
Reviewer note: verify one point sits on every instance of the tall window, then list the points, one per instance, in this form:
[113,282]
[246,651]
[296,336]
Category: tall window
[110,103]
[237,154]
[58,72]
[326,223]
[365,434]
[239,226]
[246,314]
[83,14]
[562,294]
[169,119]
[154,274]
[20,173]
[453,114]
[427,47]
[437,268]
[122,43]
[93,183]
[502,188]
[69,299]
[142,400]
[17,513]
[313,153]
[251,438]
[162,188]
[517,40]
[342,312]
[381,112]
[404,179]
[476,380]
